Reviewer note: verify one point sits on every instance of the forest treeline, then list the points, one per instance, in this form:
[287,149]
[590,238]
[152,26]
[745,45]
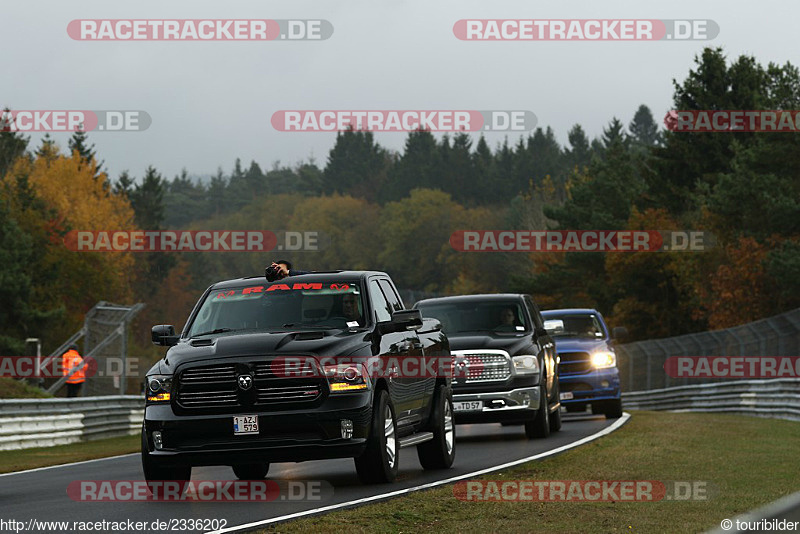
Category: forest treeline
[395,211]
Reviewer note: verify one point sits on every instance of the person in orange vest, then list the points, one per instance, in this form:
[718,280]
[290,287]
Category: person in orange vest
[71,359]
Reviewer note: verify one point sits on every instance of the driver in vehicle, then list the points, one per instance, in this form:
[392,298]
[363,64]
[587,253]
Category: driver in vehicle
[508,320]
[350,307]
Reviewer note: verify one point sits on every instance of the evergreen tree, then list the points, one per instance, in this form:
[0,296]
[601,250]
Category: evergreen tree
[643,129]
[79,143]
[12,143]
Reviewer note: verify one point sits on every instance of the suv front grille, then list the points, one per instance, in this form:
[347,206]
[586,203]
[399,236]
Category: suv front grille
[574,363]
[217,387]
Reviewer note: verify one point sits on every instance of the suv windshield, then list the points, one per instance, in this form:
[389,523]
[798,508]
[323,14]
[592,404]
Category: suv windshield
[494,316]
[573,325]
[280,306]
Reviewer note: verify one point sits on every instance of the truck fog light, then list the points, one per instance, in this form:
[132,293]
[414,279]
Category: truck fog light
[157,440]
[347,429]
[525,399]
[604,383]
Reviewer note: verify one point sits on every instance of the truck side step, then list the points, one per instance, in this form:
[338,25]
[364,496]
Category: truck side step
[415,439]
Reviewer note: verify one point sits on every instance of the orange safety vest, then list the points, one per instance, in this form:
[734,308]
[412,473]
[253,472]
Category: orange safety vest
[71,359]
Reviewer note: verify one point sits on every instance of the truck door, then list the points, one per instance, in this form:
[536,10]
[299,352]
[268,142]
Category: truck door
[395,347]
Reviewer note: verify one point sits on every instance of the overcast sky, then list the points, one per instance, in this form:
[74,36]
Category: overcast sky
[211,102]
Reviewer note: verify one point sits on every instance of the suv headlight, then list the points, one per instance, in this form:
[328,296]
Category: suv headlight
[604,359]
[347,377]
[525,364]
[158,387]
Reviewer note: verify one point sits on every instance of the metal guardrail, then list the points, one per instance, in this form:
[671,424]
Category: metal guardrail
[777,398]
[641,363]
[26,423]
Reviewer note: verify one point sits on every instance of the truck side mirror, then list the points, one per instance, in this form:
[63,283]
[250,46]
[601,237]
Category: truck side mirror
[619,334]
[164,335]
[401,321]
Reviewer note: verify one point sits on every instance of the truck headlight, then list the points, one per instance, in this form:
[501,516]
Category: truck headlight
[159,388]
[604,359]
[525,364]
[347,377]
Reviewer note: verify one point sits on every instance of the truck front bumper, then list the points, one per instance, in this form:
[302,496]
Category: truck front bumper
[499,406]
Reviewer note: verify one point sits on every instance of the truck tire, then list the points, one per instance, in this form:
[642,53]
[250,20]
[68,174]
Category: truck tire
[441,450]
[539,426]
[255,471]
[380,459]
[555,417]
[613,409]
[155,471]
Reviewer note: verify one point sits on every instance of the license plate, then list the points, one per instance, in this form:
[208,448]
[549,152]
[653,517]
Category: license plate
[467,406]
[567,395]
[245,424]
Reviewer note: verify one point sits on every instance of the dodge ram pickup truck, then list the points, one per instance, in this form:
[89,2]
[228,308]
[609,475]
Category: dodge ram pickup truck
[504,361]
[588,371]
[298,369]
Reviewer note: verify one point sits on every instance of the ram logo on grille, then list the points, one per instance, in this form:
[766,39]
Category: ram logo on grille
[245,382]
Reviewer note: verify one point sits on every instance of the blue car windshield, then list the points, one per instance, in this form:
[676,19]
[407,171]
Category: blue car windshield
[585,326]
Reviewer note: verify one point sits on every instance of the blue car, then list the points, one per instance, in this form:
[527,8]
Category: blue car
[587,369]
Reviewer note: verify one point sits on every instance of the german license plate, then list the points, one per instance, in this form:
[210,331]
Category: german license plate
[467,406]
[245,424]
[567,395]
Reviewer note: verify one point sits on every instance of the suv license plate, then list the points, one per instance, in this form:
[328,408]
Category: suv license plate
[245,424]
[468,406]
[567,395]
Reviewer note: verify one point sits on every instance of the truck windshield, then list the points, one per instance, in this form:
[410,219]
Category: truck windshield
[494,316]
[573,325]
[280,306]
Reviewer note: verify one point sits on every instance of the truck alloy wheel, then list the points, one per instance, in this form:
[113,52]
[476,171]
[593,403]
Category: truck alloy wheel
[379,461]
[441,450]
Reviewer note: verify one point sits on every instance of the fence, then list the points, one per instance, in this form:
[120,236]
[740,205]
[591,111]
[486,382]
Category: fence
[778,398]
[105,338]
[641,364]
[28,423]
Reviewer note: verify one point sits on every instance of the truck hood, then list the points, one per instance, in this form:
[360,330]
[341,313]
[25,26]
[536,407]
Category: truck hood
[513,344]
[567,344]
[321,343]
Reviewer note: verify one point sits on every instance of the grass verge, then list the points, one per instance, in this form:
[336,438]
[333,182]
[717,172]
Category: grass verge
[746,461]
[20,460]
[11,388]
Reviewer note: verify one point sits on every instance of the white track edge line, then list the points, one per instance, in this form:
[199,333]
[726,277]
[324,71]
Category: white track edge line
[609,429]
[63,465]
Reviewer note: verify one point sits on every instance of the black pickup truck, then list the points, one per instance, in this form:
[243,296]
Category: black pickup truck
[298,369]
[506,366]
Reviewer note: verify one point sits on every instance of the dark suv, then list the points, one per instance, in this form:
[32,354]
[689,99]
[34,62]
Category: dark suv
[505,361]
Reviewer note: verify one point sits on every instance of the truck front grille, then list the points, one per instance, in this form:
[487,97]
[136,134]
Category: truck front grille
[217,387]
[481,366]
[574,363]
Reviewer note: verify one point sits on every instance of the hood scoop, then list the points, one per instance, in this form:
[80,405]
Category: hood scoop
[202,342]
